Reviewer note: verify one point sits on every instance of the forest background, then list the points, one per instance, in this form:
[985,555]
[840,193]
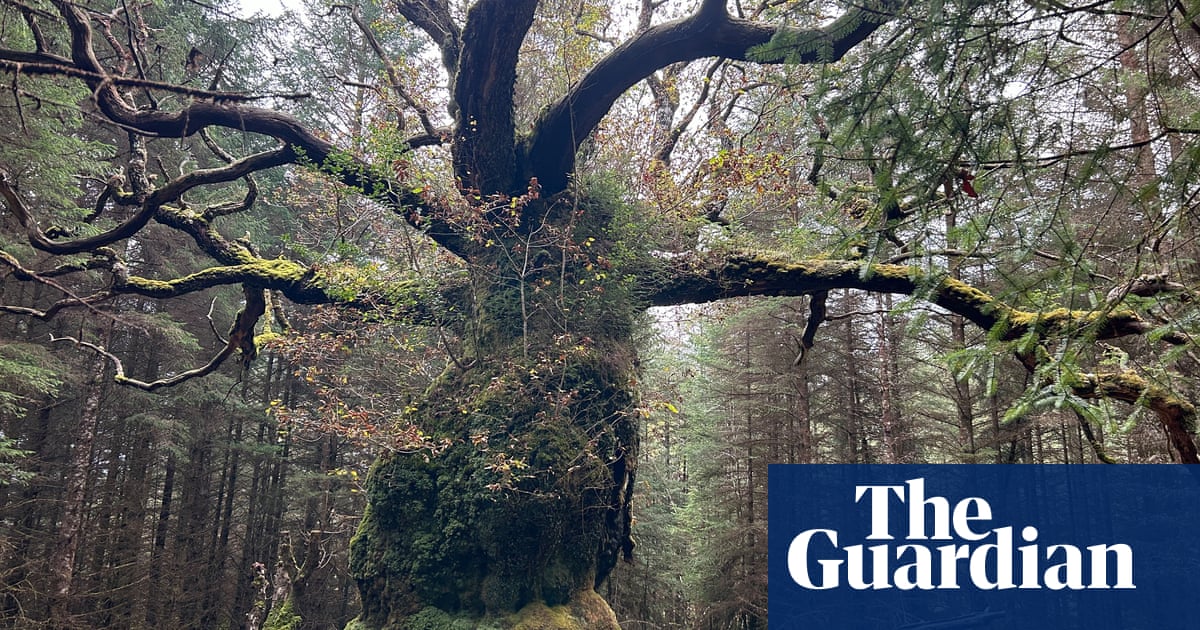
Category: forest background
[943,232]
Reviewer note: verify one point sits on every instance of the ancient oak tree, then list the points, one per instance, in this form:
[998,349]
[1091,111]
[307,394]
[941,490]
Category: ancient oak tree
[527,506]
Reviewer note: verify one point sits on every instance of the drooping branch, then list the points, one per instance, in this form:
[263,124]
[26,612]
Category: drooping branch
[241,338]
[1176,415]
[817,314]
[549,153]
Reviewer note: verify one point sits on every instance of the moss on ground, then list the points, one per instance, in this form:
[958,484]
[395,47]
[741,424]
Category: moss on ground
[585,610]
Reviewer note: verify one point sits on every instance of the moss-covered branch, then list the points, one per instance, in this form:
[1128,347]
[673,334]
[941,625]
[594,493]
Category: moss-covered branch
[299,283]
[693,279]
[1176,415]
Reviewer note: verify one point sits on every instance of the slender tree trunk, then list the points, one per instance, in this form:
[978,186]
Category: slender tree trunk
[23,557]
[963,407]
[158,592]
[854,448]
[61,562]
[801,449]
[962,395]
[889,368]
[1135,102]
[127,568]
[994,414]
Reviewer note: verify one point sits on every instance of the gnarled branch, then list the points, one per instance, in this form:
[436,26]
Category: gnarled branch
[304,145]
[549,153]
[241,338]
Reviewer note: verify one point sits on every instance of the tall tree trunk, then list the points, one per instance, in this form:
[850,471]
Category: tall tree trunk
[23,557]
[1135,102]
[889,368]
[158,593]
[70,526]
[800,443]
[963,404]
[852,442]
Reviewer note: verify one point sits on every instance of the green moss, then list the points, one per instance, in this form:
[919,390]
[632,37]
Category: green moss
[1066,321]
[518,508]
[431,618]
[271,273]
[283,617]
[586,611]
[538,616]
[968,294]
[1045,319]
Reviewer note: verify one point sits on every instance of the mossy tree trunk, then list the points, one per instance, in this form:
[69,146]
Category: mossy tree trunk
[527,508]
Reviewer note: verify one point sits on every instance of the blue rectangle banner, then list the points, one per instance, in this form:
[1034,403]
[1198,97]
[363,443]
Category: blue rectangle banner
[943,547]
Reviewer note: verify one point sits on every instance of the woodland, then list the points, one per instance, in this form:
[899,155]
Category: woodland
[433,314]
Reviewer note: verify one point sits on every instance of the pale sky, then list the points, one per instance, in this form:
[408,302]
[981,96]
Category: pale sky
[270,7]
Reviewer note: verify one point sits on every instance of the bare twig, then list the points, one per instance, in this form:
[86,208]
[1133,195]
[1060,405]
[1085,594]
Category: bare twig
[55,69]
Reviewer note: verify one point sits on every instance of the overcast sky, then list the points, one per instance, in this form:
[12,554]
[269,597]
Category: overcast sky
[270,7]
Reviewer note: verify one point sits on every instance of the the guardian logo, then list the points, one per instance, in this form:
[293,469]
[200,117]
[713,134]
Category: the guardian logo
[948,546]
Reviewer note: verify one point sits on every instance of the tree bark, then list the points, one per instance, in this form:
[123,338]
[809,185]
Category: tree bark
[158,592]
[70,524]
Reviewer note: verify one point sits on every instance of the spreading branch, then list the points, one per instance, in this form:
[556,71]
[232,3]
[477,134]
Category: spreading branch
[205,112]
[10,62]
[693,280]
[549,154]
[168,193]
